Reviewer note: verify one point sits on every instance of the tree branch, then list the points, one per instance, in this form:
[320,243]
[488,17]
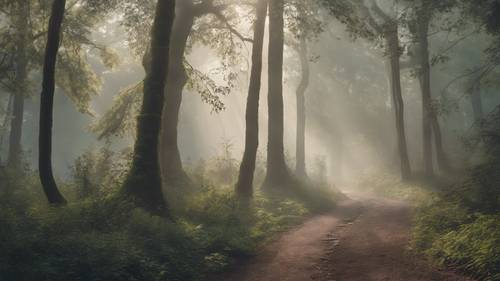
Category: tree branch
[207,7]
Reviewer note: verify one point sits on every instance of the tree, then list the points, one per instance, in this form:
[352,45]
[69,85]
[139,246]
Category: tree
[300,166]
[367,20]
[304,23]
[389,31]
[422,30]
[14,156]
[423,13]
[486,14]
[188,12]
[216,32]
[47,103]
[244,187]
[24,38]
[143,182]
[277,172]
[476,101]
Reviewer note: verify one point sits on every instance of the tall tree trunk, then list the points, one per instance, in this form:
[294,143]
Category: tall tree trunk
[16,125]
[477,102]
[430,122]
[144,183]
[397,99]
[277,171]
[171,163]
[5,123]
[442,159]
[300,167]
[244,187]
[47,104]
[425,85]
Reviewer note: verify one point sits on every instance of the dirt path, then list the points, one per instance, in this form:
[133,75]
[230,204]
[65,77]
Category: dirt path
[358,242]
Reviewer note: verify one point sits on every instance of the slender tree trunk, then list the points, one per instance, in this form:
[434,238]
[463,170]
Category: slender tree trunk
[244,187]
[144,180]
[442,159]
[430,122]
[397,99]
[16,129]
[47,104]
[172,170]
[5,123]
[300,168]
[277,171]
[425,85]
[16,124]
[477,102]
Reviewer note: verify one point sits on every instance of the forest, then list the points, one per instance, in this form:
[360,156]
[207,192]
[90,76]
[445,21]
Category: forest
[249,140]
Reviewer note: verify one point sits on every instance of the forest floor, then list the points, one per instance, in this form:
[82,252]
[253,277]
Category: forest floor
[364,239]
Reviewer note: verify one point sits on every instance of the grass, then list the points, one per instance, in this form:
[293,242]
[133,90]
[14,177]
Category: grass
[99,236]
[454,224]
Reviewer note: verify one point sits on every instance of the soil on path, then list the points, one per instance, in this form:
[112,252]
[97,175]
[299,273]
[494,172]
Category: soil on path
[363,240]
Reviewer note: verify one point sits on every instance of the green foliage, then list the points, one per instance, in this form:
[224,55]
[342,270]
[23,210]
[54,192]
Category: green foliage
[456,236]
[25,30]
[474,247]
[460,227]
[95,171]
[104,239]
[108,239]
[120,120]
[391,186]
[435,219]
[100,236]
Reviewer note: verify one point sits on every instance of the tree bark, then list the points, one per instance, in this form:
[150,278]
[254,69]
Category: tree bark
[477,102]
[5,123]
[47,103]
[16,124]
[425,85]
[392,42]
[442,159]
[244,187]
[171,164]
[277,172]
[430,122]
[144,183]
[300,167]
[16,129]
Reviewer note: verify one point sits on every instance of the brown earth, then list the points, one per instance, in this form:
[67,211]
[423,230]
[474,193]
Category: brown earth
[363,240]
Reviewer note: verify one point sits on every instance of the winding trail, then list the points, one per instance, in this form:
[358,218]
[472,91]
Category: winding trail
[363,240]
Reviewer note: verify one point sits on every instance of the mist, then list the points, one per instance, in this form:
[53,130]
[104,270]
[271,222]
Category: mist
[205,134]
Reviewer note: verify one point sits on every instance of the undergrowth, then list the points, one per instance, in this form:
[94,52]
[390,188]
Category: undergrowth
[391,186]
[454,225]
[461,226]
[99,236]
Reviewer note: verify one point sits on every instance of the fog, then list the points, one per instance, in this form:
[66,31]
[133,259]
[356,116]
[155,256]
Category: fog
[350,122]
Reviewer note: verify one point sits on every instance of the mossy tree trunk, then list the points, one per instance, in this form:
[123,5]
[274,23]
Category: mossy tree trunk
[47,103]
[244,187]
[171,164]
[430,122]
[277,175]
[143,183]
[477,101]
[425,85]
[392,41]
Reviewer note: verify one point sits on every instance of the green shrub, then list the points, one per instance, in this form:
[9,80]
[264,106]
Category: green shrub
[456,230]
[474,247]
[100,236]
[110,239]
